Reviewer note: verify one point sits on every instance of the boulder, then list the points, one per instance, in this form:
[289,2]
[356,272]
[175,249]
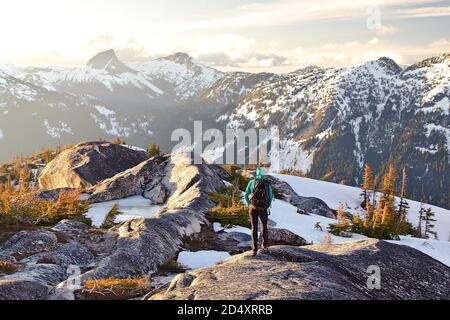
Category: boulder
[313,205]
[332,272]
[69,225]
[27,243]
[34,282]
[239,237]
[306,205]
[157,195]
[67,254]
[141,179]
[285,237]
[86,164]
[22,289]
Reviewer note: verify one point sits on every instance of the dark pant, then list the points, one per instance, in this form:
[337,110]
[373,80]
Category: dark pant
[263,215]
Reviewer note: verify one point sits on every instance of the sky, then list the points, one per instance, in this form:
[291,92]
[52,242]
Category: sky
[248,35]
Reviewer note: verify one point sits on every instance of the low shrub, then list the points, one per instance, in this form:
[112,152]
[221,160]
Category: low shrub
[111,217]
[25,208]
[115,288]
[236,215]
[8,267]
[171,266]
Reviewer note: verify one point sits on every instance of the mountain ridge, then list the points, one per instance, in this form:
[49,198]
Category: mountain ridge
[334,119]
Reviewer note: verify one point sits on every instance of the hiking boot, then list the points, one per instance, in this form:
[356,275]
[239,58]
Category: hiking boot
[264,250]
[254,252]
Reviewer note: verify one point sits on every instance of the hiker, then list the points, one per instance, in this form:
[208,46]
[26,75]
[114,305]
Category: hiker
[258,196]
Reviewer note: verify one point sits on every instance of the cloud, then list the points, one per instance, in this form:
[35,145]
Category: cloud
[233,51]
[356,52]
[285,12]
[43,58]
[127,50]
[386,30]
[232,45]
[421,12]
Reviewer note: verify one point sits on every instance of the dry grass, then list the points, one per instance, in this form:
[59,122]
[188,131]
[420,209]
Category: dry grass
[115,288]
[8,267]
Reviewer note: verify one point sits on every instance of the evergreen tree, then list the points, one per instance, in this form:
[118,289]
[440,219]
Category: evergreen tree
[367,185]
[342,227]
[389,197]
[429,219]
[402,212]
[342,216]
[357,224]
[421,220]
[369,215]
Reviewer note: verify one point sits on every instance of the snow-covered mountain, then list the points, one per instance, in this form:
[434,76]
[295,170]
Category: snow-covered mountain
[161,81]
[332,120]
[335,120]
[180,75]
[32,117]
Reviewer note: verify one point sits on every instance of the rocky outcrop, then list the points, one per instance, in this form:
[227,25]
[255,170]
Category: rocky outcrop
[330,272]
[141,179]
[88,163]
[42,264]
[308,205]
[133,248]
[34,282]
[143,244]
[27,243]
[279,236]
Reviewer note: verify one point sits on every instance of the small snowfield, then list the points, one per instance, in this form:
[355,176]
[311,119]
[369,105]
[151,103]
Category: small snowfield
[130,208]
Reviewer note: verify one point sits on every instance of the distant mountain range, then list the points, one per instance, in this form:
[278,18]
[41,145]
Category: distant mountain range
[332,120]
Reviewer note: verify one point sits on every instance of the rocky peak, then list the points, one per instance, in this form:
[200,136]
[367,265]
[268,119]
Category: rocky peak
[108,61]
[430,62]
[390,64]
[180,58]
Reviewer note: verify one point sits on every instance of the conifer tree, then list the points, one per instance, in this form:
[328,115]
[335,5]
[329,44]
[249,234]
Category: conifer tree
[429,219]
[341,228]
[357,224]
[421,220]
[389,197]
[369,215]
[367,185]
[402,212]
[342,216]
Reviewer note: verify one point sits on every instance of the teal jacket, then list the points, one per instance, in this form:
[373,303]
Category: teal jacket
[259,175]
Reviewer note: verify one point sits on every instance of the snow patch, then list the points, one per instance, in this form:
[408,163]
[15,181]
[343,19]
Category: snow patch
[333,194]
[201,259]
[130,208]
[59,130]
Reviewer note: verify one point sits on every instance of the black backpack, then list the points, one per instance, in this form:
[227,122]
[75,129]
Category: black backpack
[259,198]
